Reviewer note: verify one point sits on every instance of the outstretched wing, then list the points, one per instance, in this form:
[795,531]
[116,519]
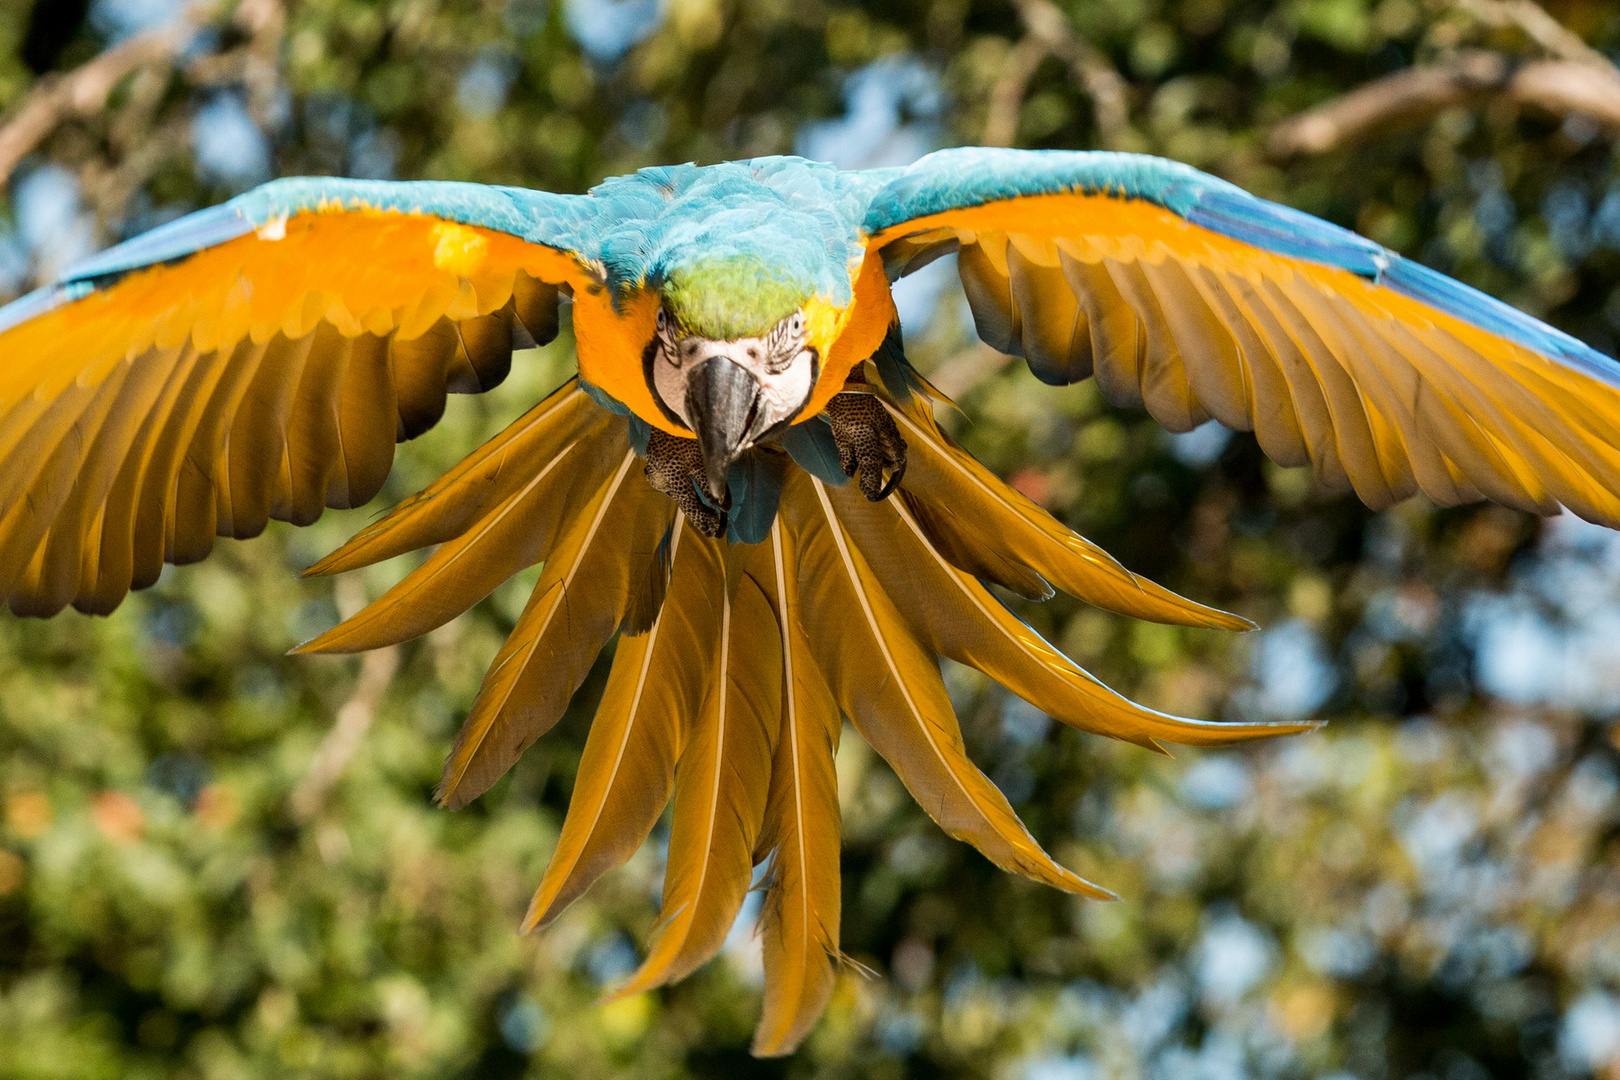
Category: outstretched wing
[256,360]
[1187,295]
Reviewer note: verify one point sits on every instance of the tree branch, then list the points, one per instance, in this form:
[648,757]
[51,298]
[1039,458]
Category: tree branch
[85,90]
[1007,95]
[1046,23]
[1047,33]
[1558,88]
[265,21]
[1532,19]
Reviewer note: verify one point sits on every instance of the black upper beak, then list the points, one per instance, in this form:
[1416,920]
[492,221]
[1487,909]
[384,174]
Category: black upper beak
[723,407]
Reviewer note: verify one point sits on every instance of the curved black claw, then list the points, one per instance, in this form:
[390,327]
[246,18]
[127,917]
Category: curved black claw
[869,443]
[676,467]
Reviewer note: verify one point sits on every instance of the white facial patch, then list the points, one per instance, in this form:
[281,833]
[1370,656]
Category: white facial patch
[779,362]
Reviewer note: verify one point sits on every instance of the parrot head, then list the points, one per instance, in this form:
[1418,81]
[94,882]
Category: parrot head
[731,359]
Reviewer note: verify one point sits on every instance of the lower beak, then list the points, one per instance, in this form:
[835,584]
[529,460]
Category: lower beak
[723,407]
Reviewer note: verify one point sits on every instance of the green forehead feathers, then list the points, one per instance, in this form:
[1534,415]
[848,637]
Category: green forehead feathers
[725,299]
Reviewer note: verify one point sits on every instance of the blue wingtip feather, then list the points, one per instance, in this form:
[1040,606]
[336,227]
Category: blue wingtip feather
[536,216]
[1488,313]
[1282,229]
[29,305]
[957,179]
[166,243]
[1286,231]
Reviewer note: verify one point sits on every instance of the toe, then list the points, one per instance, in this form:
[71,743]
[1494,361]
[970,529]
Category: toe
[871,477]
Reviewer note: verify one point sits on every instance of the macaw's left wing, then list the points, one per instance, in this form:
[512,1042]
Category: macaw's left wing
[1183,293]
[256,360]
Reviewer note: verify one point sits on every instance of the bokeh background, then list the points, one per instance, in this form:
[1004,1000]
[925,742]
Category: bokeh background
[217,861]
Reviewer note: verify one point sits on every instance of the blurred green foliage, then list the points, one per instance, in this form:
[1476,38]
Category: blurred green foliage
[1429,888]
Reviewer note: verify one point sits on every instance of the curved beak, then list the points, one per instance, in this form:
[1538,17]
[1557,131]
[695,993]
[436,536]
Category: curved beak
[723,407]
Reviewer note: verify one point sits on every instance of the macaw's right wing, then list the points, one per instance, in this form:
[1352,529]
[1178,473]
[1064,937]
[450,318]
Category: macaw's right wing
[1183,294]
[255,360]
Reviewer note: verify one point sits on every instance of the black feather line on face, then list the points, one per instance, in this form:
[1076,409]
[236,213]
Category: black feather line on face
[664,331]
[784,344]
[815,377]
[649,357]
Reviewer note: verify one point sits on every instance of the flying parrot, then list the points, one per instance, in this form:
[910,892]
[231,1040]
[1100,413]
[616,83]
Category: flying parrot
[739,362]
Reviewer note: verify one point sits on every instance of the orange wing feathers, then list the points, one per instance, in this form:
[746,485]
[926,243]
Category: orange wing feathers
[1374,388]
[266,377]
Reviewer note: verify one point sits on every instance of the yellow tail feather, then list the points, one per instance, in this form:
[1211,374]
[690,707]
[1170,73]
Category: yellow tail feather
[977,521]
[516,533]
[958,617]
[798,925]
[575,608]
[719,799]
[890,687]
[653,696]
[488,476]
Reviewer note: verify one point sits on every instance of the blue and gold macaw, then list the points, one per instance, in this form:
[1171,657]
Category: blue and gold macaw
[738,362]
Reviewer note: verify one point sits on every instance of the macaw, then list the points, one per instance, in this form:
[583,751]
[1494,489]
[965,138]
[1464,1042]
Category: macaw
[738,363]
